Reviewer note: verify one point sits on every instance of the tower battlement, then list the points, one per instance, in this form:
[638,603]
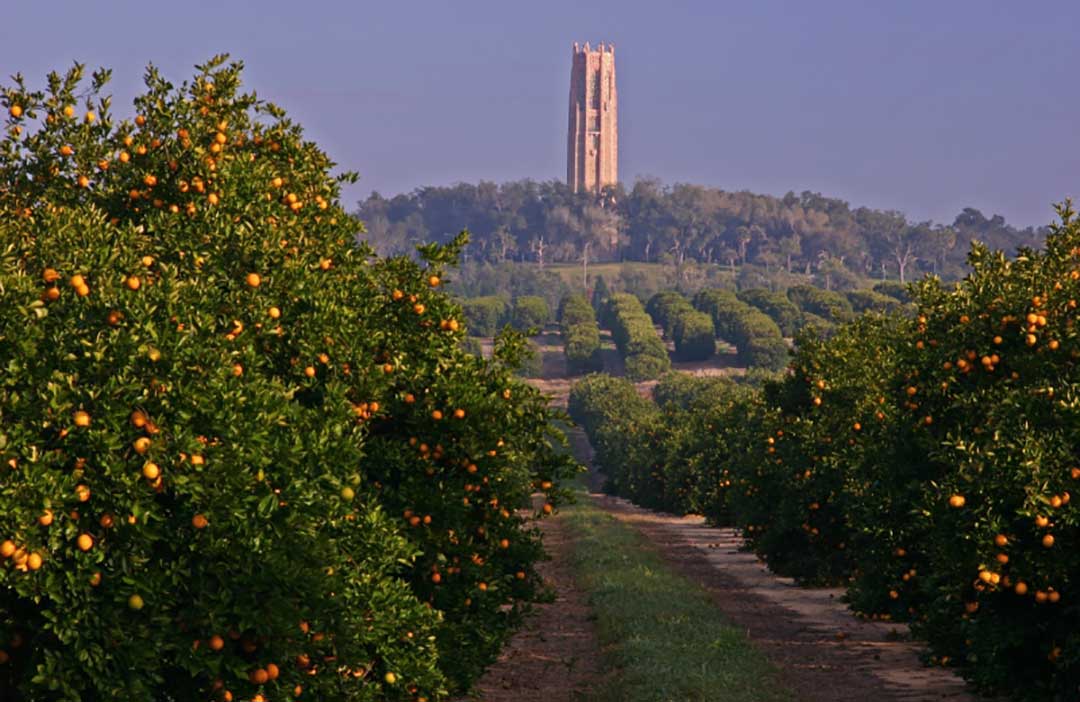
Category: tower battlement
[592,153]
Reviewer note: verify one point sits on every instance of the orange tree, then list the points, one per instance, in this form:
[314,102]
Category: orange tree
[237,449]
[986,433]
[795,496]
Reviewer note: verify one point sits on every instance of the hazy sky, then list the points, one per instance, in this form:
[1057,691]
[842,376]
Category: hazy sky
[921,106]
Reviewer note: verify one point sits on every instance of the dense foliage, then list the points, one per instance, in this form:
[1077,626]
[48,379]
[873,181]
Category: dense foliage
[635,337]
[788,317]
[924,460]
[692,331]
[530,312]
[827,304]
[756,337]
[581,334]
[240,456]
[484,316]
[807,232]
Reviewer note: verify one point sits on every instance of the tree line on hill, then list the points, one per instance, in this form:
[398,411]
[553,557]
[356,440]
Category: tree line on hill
[807,233]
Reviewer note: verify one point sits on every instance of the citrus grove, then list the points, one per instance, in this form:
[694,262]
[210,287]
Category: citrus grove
[927,459]
[241,457]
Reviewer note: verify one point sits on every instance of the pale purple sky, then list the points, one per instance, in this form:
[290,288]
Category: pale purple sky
[922,106]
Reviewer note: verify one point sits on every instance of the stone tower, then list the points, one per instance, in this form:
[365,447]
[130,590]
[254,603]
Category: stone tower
[592,143]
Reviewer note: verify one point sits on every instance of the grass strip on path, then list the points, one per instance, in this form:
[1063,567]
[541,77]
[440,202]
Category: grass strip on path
[662,638]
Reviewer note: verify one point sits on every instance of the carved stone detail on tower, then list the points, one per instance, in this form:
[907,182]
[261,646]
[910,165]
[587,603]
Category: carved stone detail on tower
[592,149]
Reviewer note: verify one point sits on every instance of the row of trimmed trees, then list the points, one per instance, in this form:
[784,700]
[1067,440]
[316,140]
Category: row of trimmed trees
[635,337]
[581,335]
[924,459]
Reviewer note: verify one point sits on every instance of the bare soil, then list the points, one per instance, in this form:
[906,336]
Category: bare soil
[823,651]
[556,656]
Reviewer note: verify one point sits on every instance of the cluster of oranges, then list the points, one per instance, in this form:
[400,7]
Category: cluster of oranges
[216,377]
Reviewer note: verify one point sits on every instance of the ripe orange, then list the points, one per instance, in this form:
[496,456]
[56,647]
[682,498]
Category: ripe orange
[199,521]
[418,308]
[136,602]
[141,445]
[957,501]
[390,678]
[85,542]
[433,281]
[459,414]
[310,371]
[258,676]
[436,415]
[272,671]
[216,643]
[82,492]
[1021,588]
[1048,540]
[274,313]
[151,470]
[81,419]
[15,111]
[1000,540]
[46,518]
[254,280]
[7,549]
[33,561]
[133,282]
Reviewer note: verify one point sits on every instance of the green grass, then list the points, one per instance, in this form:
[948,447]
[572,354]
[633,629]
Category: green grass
[662,637]
[652,275]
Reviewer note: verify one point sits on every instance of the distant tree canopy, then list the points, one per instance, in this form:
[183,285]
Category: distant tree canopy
[808,233]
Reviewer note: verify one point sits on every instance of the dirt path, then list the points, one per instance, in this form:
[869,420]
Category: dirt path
[555,657]
[822,650]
